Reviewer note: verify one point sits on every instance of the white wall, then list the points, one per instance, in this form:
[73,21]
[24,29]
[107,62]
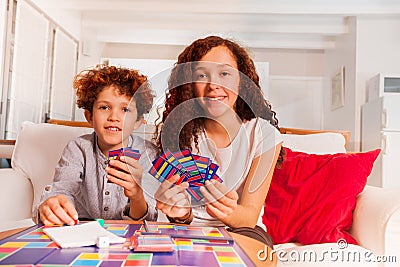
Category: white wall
[90,54]
[297,101]
[296,86]
[69,20]
[3,16]
[378,51]
[344,54]
[371,46]
[140,51]
[291,62]
[382,33]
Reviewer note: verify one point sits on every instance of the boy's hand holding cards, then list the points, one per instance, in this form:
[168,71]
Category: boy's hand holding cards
[127,151]
[194,169]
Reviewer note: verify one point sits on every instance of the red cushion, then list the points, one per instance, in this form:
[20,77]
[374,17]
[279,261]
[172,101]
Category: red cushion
[312,197]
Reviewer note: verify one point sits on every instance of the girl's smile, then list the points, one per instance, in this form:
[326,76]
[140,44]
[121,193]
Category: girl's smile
[217,81]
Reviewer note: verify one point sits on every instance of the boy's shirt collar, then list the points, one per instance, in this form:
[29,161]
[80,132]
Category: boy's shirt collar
[103,158]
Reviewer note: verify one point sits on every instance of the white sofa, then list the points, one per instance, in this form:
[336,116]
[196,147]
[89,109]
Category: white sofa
[38,147]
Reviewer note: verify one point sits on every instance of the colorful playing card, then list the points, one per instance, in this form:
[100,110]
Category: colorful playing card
[114,154]
[212,171]
[163,170]
[216,177]
[186,159]
[202,164]
[132,153]
[128,151]
[171,159]
[194,169]
[194,191]
[152,243]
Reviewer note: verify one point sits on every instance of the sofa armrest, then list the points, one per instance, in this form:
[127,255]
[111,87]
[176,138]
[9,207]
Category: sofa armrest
[376,220]
[16,196]
[6,148]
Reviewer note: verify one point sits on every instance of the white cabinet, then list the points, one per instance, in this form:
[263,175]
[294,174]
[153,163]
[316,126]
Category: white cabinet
[381,129]
[382,84]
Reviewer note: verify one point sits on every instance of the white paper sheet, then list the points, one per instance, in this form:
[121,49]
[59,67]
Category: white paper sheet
[80,235]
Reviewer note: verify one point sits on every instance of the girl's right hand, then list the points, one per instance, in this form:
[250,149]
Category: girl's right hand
[58,210]
[173,200]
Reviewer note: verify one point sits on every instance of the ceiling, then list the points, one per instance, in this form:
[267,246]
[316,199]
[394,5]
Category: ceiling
[276,24]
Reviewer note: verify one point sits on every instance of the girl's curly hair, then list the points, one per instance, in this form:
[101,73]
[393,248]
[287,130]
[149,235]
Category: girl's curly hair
[89,84]
[250,103]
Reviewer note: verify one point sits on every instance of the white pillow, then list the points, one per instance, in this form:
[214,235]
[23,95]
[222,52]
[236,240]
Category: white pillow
[37,150]
[321,143]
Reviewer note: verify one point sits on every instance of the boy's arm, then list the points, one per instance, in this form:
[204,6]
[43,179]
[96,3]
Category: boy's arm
[150,214]
[149,183]
[67,177]
[143,207]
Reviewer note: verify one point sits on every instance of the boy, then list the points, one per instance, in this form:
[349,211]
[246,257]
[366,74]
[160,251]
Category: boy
[88,186]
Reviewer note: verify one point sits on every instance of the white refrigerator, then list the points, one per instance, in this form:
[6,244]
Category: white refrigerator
[380,128]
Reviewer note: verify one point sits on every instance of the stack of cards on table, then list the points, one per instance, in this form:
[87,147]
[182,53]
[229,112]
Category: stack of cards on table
[191,168]
[152,243]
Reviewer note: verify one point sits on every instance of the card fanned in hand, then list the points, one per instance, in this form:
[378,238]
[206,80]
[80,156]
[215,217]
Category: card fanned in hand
[191,168]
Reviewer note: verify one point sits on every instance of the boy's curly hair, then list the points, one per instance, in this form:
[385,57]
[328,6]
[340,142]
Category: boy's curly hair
[250,103]
[89,83]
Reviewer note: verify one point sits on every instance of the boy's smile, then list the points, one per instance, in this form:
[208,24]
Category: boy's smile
[114,117]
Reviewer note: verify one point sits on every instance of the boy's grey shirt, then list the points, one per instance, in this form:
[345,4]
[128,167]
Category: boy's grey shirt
[80,175]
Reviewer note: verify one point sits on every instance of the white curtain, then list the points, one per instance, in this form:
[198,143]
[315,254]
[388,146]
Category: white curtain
[64,69]
[29,68]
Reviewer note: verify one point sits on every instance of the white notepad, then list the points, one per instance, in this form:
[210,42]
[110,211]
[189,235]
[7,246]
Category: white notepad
[80,235]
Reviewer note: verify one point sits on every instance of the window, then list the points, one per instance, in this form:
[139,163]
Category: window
[40,57]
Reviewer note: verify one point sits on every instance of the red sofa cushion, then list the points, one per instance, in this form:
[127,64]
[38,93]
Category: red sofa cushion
[312,197]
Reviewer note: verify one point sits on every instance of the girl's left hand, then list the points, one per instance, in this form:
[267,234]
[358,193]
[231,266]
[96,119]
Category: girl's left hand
[126,172]
[172,199]
[220,201]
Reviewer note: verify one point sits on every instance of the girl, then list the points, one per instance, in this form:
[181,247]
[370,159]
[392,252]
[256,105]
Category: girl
[215,107]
